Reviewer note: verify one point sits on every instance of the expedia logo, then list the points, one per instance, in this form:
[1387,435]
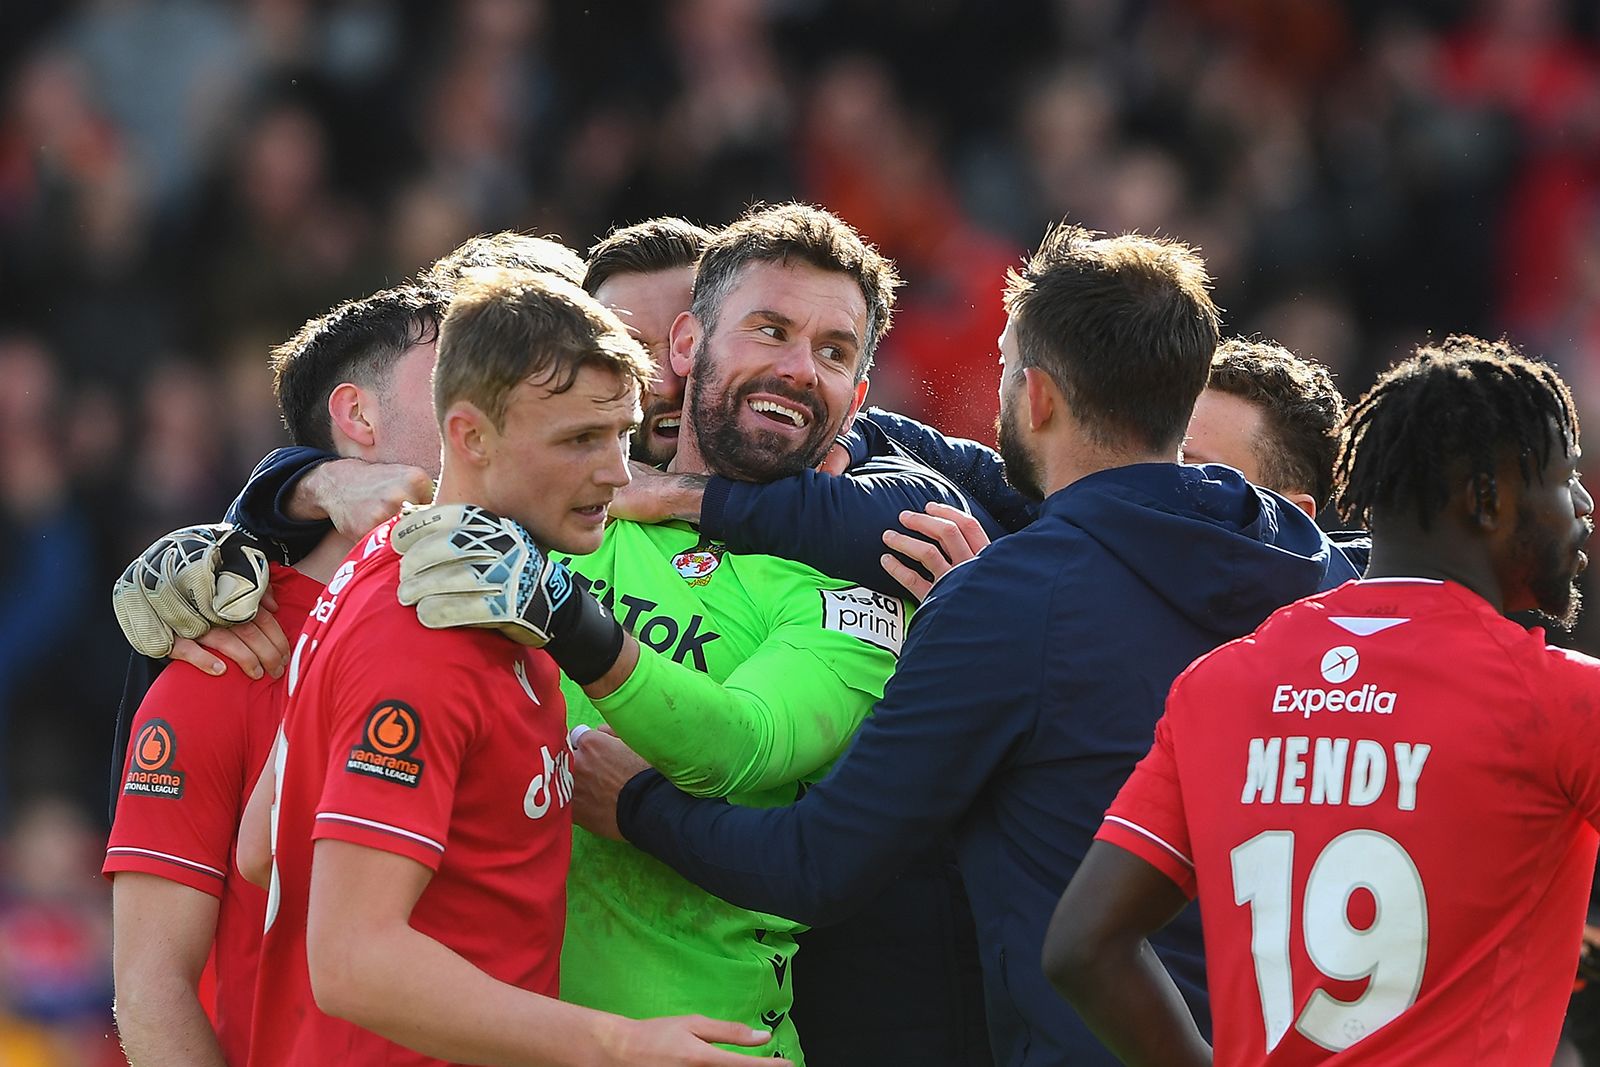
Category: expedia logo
[376,540]
[150,771]
[341,577]
[1339,665]
[391,734]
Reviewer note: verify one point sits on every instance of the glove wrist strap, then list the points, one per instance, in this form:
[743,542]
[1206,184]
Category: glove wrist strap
[585,638]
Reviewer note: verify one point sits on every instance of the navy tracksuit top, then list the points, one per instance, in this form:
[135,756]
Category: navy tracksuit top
[1029,686]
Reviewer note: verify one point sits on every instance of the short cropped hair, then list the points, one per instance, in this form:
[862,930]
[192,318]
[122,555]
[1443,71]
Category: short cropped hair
[1301,410]
[505,327]
[359,341]
[666,243]
[509,250]
[1452,410]
[1124,325]
[805,234]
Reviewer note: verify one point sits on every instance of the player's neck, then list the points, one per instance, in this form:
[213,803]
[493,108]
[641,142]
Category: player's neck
[688,460]
[320,563]
[1395,557]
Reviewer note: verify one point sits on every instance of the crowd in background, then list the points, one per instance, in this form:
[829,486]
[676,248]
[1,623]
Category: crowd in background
[183,182]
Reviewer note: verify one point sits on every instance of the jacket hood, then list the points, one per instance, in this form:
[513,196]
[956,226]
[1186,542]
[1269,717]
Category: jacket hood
[1224,553]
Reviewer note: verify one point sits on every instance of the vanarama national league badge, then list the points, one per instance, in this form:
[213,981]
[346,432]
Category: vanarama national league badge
[384,750]
[697,563]
[151,772]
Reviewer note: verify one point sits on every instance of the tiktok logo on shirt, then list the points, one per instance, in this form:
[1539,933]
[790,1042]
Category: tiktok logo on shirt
[552,786]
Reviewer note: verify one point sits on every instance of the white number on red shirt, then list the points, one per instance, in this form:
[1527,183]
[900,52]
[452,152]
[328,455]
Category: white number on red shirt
[1391,952]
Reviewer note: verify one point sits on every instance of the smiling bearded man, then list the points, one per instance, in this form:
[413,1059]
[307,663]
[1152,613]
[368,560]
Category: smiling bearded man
[740,675]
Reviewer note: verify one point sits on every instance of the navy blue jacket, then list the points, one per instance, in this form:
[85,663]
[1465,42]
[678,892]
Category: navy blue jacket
[833,524]
[975,468]
[1028,687]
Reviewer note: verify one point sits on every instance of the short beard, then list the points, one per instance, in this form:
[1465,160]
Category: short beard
[733,452]
[1552,582]
[1022,470]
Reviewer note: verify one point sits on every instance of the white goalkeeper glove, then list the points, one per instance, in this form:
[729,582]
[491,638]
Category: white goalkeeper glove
[462,565]
[188,582]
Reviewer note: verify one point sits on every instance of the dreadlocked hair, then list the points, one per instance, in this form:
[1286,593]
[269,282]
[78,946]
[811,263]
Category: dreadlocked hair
[1464,402]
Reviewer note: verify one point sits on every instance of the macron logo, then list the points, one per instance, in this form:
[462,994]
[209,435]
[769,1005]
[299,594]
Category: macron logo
[1339,664]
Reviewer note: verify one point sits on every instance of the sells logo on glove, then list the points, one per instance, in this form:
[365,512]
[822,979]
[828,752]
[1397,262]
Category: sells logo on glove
[384,751]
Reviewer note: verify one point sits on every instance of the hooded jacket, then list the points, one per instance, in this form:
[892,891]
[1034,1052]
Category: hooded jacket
[1028,687]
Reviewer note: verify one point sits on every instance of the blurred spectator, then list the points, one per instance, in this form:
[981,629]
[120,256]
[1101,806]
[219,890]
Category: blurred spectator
[55,942]
[48,541]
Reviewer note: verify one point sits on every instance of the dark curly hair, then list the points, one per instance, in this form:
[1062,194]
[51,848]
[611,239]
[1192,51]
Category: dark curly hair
[1453,409]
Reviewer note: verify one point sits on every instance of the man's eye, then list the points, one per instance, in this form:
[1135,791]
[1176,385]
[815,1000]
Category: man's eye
[832,353]
[774,332]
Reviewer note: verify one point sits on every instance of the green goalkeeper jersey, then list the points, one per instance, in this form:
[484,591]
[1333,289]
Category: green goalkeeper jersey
[761,670]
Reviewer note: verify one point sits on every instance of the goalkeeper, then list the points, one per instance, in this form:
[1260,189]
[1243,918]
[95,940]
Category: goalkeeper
[737,675]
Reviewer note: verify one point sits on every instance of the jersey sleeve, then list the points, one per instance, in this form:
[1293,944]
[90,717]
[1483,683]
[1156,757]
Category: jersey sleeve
[834,524]
[261,506]
[976,468]
[1576,694]
[403,720]
[783,714]
[183,779]
[1147,817]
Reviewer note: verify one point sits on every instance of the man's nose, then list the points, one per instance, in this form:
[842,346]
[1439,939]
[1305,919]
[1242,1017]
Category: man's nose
[796,364]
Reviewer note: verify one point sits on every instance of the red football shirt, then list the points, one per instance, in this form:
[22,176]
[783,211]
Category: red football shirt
[448,747]
[1385,799]
[196,745]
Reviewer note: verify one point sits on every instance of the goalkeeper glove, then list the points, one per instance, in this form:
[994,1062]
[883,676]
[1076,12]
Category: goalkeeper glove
[188,582]
[462,565]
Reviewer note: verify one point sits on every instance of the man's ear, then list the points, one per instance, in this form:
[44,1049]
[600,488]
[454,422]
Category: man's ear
[351,416]
[855,405]
[1480,500]
[681,342]
[469,434]
[1305,502]
[1042,396]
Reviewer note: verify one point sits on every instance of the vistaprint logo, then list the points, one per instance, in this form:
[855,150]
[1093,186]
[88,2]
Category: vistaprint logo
[1339,665]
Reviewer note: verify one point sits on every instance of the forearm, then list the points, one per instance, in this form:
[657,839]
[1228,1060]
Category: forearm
[832,524]
[682,496]
[441,1005]
[976,468]
[274,506]
[302,500]
[161,1022]
[1126,997]
[719,739]
[755,858]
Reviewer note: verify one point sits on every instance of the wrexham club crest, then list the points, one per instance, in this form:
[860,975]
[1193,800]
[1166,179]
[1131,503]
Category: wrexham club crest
[697,563]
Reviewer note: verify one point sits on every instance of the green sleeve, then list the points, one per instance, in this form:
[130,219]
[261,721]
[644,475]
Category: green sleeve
[782,714]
